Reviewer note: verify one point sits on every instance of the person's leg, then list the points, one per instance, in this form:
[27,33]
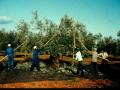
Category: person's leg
[37,66]
[96,68]
[8,62]
[78,67]
[36,63]
[81,68]
[12,62]
[94,71]
[106,62]
[33,64]
[103,63]
[92,67]
[106,65]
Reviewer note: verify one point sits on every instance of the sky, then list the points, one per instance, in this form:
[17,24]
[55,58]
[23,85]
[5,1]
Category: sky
[99,16]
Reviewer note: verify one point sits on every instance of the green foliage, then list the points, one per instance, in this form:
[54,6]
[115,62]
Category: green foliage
[118,33]
[39,32]
[108,44]
[22,34]
[7,37]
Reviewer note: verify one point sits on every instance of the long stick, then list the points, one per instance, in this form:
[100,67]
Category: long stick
[19,46]
[73,48]
[24,42]
[3,58]
[49,40]
[84,46]
[14,50]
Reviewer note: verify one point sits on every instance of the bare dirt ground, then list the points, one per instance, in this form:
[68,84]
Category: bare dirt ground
[21,77]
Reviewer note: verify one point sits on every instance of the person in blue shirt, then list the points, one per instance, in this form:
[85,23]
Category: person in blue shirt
[10,53]
[35,59]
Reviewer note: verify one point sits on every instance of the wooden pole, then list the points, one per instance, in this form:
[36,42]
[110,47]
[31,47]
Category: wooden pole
[73,45]
[25,42]
[26,47]
[49,40]
[14,50]
[73,48]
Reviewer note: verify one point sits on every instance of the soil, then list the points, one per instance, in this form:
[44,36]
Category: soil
[22,77]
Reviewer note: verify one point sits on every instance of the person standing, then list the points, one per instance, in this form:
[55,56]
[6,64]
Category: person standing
[94,68]
[10,53]
[80,62]
[104,55]
[35,59]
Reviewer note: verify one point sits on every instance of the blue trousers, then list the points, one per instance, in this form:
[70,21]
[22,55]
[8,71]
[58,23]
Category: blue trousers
[35,63]
[10,61]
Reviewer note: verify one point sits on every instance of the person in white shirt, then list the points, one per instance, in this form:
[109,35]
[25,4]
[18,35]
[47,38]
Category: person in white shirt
[80,62]
[94,61]
[94,69]
[104,57]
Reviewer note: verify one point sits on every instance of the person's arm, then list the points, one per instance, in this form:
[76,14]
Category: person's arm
[90,52]
[99,55]
[106,58]
[106,55]
[76,57]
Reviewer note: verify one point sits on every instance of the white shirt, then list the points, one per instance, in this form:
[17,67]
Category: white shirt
[104,55]
[94,56]
[79,56]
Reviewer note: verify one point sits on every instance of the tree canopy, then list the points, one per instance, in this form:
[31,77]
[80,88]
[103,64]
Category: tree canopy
[69,34]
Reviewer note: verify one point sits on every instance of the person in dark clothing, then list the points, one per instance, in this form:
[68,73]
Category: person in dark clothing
[35,60]
[10,53]
[51,60]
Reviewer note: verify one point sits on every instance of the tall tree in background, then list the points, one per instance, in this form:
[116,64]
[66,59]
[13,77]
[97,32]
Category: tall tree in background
[7,37]
[66,33]
[22,34]
[3,39]
[118,43]
[64,37]
[118,33]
